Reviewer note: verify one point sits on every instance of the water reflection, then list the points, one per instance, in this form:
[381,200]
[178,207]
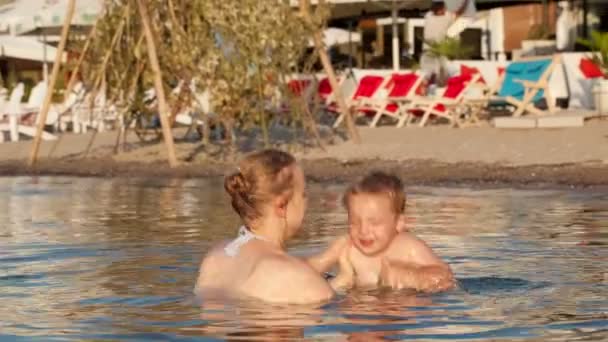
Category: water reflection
[116,259]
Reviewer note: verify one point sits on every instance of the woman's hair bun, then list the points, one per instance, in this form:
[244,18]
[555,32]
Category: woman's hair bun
[236,184]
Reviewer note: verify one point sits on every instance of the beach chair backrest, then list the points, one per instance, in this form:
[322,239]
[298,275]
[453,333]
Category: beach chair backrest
[3,100]
[37,95]
[401,85]
[76,95]
[589,68]
[324,88]
[532,70]
[298,87]
[368,86]
[456,86]
[14,105]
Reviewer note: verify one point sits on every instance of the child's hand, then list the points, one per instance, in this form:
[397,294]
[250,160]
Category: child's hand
[425,279]
[436,280]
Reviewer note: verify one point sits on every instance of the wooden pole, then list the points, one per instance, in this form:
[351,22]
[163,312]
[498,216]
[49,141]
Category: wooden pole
[101,72]
[83,53]
[331,75]
[51,86]
[158,84]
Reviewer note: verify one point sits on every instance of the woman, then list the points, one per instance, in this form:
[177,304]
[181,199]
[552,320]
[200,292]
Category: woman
[268,193]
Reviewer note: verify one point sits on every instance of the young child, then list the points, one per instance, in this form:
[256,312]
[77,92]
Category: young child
[377,250]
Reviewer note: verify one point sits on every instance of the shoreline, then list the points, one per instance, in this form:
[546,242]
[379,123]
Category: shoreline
[323,170]
[436,155]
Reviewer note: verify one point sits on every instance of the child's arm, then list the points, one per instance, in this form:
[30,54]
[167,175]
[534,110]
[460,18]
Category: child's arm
[323,261]
[428,278]
[419,269]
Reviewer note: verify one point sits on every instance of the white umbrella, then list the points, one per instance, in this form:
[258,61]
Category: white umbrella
[353,8]
[350,8]
[23,16]
[337,36]
[24,48]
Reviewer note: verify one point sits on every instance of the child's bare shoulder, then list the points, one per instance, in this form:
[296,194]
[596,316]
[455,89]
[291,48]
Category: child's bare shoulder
[407,238]
[411,248]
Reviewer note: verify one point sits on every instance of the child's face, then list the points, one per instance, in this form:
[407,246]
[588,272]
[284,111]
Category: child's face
[372,222]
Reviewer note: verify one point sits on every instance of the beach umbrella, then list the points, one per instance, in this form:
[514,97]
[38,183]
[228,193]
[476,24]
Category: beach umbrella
[352,8]
[20,17]
[26,16]
[337,36]
[27,48]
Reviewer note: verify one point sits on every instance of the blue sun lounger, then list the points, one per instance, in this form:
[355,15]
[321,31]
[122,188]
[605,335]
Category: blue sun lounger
[525,82]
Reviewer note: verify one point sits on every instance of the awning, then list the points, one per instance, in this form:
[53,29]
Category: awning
[354,8]
[26,48]
[23,16]
[337,36]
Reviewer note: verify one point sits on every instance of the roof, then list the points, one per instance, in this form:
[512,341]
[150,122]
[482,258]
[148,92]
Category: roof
[27,48]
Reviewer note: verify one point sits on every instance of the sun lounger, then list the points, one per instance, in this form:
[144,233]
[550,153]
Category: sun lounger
[525,83]
[61,114]
[399,90]
[447,106]
[16,111]
[366,88]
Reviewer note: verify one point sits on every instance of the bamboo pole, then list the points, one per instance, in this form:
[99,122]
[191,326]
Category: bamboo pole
[331,75]
[122,131]
[83,54]
[106,59]
[49,94]
[158,84]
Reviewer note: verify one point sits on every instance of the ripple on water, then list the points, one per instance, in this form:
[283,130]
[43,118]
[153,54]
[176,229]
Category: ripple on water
[111,259]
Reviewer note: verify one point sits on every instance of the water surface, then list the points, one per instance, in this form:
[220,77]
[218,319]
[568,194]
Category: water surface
[111,259]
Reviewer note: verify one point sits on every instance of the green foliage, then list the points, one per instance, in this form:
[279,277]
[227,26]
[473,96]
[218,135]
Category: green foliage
[450,48]
[239,50]
[598,44]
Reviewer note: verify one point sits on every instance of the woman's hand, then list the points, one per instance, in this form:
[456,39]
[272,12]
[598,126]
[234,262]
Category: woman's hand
[346,275]
[325,260]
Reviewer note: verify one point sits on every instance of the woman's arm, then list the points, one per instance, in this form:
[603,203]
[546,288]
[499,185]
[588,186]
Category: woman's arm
[346,275]
[325,260]
[286,280]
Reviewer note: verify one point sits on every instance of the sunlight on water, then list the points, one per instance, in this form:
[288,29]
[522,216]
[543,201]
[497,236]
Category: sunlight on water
[100,259]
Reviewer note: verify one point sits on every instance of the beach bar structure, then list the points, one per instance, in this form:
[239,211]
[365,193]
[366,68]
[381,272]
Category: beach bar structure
[32,27]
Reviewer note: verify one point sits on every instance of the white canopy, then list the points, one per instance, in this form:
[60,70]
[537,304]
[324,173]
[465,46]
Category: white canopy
[25,48]
[354,8]
[338,36]
[22,16]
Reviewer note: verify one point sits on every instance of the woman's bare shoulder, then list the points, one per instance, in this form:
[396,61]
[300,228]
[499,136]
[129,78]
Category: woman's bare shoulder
[286,279]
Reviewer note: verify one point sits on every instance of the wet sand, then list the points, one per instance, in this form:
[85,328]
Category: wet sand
[434,155]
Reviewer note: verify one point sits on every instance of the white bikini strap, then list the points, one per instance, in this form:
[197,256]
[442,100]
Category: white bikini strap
[244,236]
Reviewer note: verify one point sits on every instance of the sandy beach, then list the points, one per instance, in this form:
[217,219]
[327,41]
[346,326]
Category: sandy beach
[568,156]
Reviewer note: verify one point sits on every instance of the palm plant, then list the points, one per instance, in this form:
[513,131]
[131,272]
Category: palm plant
[449,48]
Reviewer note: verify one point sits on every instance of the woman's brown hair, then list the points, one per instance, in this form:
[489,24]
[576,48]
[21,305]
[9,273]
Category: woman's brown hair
[261,176]
[379,183]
